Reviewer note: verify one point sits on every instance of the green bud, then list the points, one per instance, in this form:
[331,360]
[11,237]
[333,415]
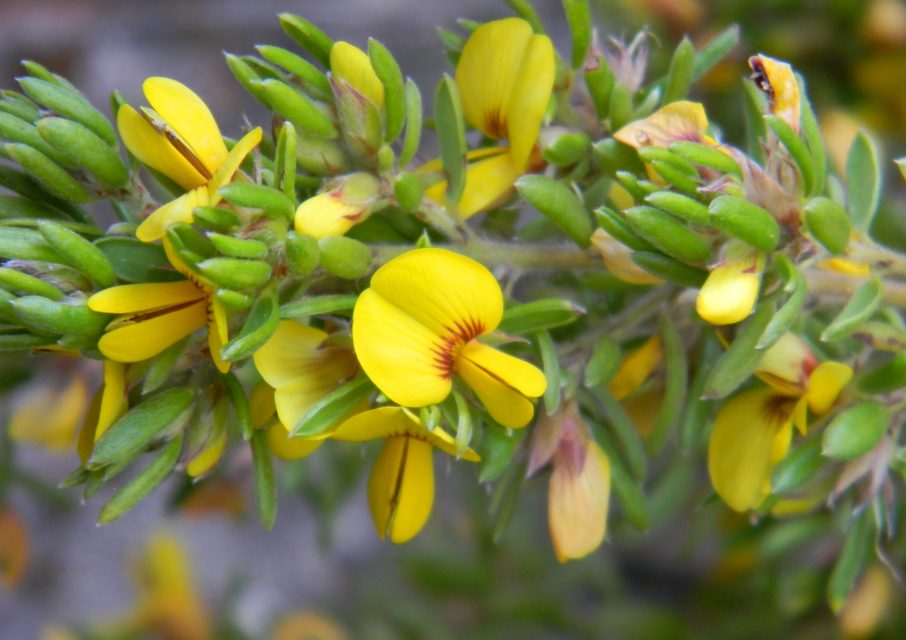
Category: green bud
[17,243]
[539,315]
[257,196]
[706,156]
[247,77]
[689,209]
[344,257]
[233,300]
[680,180]
[79,253]
[216,218]
[565,148]
[235,273]
[17,130]
[679,77]
[638,189]
[620,108]
[296,107]
[302,253]
[860,307]
[71,104]
[412,135]
[58,318]
[739,218]
[615,225]
[360,121]
[48,173]
[388,71]
[559,204]
[320,157]
[308,36]
[451,136]
[855,431]
[312,79]
[385,158]
[19,106]
[408,191]
[237,247]
[86,149]
[25,284]
[667,234]
[828,223]
[669,269]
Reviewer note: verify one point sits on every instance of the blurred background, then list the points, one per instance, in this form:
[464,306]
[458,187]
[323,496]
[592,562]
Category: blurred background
[322,568]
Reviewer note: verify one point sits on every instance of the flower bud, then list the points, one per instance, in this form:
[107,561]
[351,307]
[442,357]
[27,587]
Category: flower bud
[341,204]
[235,273]
[731,290]
[302,253]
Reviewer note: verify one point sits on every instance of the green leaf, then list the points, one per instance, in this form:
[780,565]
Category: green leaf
[675,383]
[885,378]
[79,253]
[48,173]
[790,310]
[259,196]
[603,363]
[325,413]
[526,11]
[240,402]
[551,366]
[413,133]
[863,181]
[451,136]
[497,448]
[308,36]
[69,103]
[740,360]
[84,148]
[578,17]
[140,425]
[797,150]
[559,204]
[624,431]
[861,306]
[344,257]
[739,218]
[235,273]
[849,565]
[694,421]
[265,486]
[715,51]
[626,488]
[669,269]
[679,77]
[388,71]
[135,261]
[139,487]
[828,223]
[669,235]
[855,431]
[798,467]
[338,303]
[259,325]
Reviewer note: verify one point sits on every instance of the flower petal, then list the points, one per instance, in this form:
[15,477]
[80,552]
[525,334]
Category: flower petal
[289,353]
[142,338]
[354,66]
[528,102]
[617,259]
[401,488]
[525,378]
[232,162]
[506,405]
[825,384]
[287,448]
[179,210]
[742,443]
[488,183]
[325,215]
[189,116]
[218,334]
[636,367]
[154,150]
[488,70]
[114,401]
[577,502]
[786,365]
[681,120]
[131,298]
[776,79]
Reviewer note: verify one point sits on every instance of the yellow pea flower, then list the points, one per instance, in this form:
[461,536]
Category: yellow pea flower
[14,548]
[342,203]
[777,81]
[677,121]
[418,324]
[505,77]
[401,483]
[179,138]
[731,290]
[753,430]
[156,315]
[579,490]
[302,365]
[47,414]
[353,66]
[168,602]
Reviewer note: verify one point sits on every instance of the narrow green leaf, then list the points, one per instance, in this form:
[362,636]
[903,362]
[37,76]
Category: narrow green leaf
[798,467]
[551,366]
[413,133]
[578,17]
[694,421]
[740,360]
[325,413]
[539,315]
[341,304]
[497,448]
[240,403]
[861,306]
[797,150]
[259,325]
[451,136]
[679,77]
[863,181]
[677,373]
[265,486]
[624,431]
[139,487]
[851,561]
[716,50]
[79,253]
[855,431]
[388,71]
[603,363]
[308,36]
